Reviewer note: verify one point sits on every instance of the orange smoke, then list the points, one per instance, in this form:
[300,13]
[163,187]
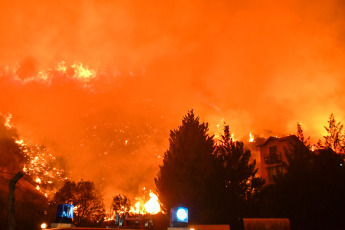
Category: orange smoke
[101,83]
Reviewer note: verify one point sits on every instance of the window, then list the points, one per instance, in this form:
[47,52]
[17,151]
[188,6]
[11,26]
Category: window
[274,156]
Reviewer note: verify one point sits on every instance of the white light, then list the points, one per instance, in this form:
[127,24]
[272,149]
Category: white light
[181,214]
[43,225]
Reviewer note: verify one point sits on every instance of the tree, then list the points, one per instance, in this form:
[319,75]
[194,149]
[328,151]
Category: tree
[121,204]
[87,200]
[334,139]
[311,193]
[187,175]
[241,185]
[300,135]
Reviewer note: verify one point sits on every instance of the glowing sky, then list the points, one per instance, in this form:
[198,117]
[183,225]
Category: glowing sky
[260,66]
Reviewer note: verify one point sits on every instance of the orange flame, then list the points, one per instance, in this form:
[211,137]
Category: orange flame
[152,206]
[251,137]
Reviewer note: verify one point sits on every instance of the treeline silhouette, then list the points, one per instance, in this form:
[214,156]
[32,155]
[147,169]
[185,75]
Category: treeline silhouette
[218,182]
[215,179]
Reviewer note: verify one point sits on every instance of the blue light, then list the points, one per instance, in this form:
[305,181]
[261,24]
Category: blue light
[182,214]
[179,216]
[65,211]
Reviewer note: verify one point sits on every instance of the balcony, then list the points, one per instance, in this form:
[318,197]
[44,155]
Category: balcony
[273,158]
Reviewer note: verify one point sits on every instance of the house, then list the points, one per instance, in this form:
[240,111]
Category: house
[273,156]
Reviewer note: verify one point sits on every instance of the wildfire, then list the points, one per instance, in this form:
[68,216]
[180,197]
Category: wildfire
[77,71]
[152,206]
[83,73]
[8,118]
[42,166]
[251,137]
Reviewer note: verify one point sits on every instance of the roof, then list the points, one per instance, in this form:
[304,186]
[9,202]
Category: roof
[280,139]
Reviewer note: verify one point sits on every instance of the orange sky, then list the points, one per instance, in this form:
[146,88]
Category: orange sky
[261,66]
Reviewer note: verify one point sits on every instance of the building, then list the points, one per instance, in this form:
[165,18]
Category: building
[273,156]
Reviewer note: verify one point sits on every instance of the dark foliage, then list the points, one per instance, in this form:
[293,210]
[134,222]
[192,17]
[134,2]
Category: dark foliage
[217,183]
[240,184]
[300,136]
[335,138]
[188,174]
[87,200]
[121,203]
[312,192]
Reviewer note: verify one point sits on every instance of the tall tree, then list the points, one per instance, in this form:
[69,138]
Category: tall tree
[121,204]
[335,138]
[187,175]
[86,198]
[241,185]
[300,135]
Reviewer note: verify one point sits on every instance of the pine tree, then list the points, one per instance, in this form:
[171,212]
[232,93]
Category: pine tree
[335,138]
[241,185]
[187,176]
[300,135]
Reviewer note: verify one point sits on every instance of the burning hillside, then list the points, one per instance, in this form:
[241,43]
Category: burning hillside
[100,84]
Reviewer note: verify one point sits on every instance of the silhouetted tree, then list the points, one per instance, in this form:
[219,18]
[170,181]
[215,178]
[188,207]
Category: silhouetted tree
[121,203]
[311,193]
[240,183]
[335,138]
[188,173]
[300,135]
[87,200]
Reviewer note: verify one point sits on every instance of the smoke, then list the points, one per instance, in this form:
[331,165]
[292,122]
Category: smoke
[258,66]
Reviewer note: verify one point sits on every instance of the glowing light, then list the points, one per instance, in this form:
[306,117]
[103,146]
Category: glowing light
[20,142]
[43,225]
[83,73]
[8,120]
[152,206]
[126,142]
[182,214]
[251,137]
[43,75]
[233,137]
[61,67]
[38,166]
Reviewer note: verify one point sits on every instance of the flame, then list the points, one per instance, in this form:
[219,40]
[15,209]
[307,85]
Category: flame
[251,137]
[217,134]
[152,206]
[83,73]
[8,118]
[233,137]
[61,67]
[41,165]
